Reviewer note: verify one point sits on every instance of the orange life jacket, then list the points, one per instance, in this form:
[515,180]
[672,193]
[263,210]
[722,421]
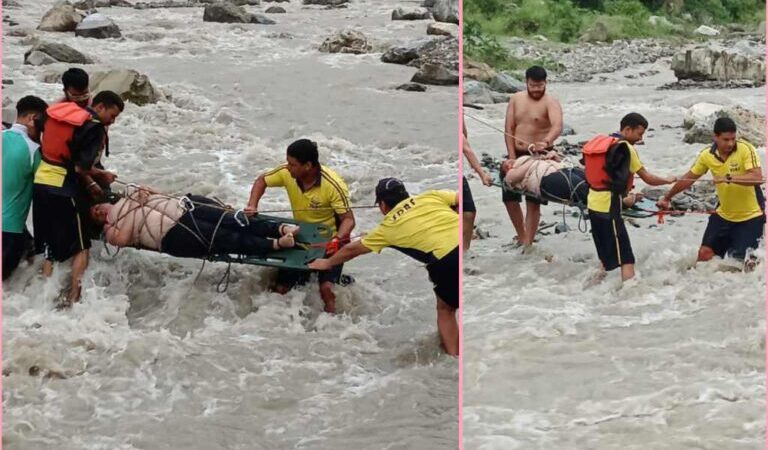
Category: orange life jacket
[595,153]
[63,119]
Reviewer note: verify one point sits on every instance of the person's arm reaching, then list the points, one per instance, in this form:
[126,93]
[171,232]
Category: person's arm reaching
[753,177]
[348,252]
[687,181]
[257,191]
[555,112]
[346,225]
[654,180]
[475,163]
[509,128]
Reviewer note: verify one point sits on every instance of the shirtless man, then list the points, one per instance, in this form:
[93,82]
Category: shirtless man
[535,119]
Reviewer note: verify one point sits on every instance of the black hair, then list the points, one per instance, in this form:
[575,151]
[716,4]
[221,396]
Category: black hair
[633,120]
[31,104]
[725,125]
[536,73]
[109,99]
[305,151]
[393,198]
[75,78]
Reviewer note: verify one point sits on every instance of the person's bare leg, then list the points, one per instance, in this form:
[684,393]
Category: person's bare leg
[705,254]
[329,298]
[448,327]
[516,216]
[47,268]
[469,228]
[627,271]
[532,216]
[79,264]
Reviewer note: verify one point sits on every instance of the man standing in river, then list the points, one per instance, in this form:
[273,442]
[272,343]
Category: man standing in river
[534,120]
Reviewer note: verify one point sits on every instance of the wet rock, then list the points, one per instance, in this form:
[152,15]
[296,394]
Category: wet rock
[567,130]
[275,10]
[706,31]
[62,17]
[10,4]
[225,12]
[98,26]
[716,62]
[477,92]
[413,13]
[277,1]
[443,29]
[130,84]
[700,120]
[48,53]
[478,71]
[500,97]
[412,87]
[7,82]
[246,2]
[438,62]
[87,5]
[439,74]
[346,41]
[505,83]
[35,58]
[446,11]
[403,54]
[261,19]
[325,2]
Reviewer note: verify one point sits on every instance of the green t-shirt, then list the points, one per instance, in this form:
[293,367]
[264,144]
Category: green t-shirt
[20,160]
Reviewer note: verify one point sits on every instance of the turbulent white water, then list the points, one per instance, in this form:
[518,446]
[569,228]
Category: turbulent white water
[150,360]
[674,359]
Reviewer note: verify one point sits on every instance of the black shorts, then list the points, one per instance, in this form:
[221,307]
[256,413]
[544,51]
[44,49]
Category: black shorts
[509,196]
[467,202]
[61,224]
[290,278]
[16,246]
[565,185]
[733,238]
[444,275]
[611,240]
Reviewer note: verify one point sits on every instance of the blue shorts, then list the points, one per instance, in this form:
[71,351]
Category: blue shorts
[733,238]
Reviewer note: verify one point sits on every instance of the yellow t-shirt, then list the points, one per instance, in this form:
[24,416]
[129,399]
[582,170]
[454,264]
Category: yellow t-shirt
[600,201]
[319,204]
[423,227]
[737,203]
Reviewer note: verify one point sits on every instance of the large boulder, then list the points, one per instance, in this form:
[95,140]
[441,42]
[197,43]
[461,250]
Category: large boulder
[714,62]
[476,93]
[433,73]
[130,84]
[700,119]
[446,11]
[706,31]
[225,12]
[98,26]
[443,29]
[507,84]
[478,71]
[275,10]
[346,41]
[62,17]
[413,13]
[404,53]
[49,52]
[597,32]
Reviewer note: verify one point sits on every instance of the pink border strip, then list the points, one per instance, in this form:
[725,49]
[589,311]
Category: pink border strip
[461,225]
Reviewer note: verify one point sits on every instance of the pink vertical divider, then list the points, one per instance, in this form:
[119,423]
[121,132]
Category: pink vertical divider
[765,239]
[461,225]
[1,289]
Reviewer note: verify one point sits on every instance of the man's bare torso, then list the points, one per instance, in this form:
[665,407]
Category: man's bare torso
[532,122]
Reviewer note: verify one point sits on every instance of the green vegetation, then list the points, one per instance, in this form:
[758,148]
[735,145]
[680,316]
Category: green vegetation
[486,21]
